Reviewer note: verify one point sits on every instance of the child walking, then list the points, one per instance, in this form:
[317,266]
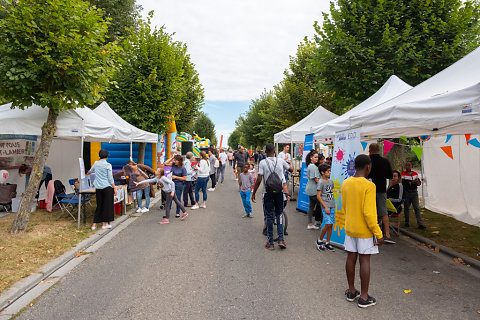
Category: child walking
[327,202]
[363,235]
[169,189]
[253,173]
[246,184]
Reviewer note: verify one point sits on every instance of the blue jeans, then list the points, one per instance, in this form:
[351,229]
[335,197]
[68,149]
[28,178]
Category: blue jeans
[273,209]
[147,197]
[178,192]
[246,201]
[201,184]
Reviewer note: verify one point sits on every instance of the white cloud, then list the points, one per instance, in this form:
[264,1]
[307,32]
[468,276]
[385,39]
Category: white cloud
[239,47]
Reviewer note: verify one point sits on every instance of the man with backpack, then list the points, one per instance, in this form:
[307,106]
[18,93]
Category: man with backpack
[271,172]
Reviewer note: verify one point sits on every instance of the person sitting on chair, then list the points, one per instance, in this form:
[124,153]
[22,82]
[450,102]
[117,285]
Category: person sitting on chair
[395,192]
[27,170]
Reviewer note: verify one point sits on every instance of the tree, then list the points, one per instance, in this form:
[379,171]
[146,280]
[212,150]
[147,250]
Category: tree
[157,81]
[53,62]
[362,43]
[205,128]
[122,13]
[234,139]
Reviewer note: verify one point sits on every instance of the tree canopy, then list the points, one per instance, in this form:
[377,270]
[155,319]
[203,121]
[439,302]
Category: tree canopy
[157,80]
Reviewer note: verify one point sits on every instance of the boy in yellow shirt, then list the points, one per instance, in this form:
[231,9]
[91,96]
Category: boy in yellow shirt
[363,235]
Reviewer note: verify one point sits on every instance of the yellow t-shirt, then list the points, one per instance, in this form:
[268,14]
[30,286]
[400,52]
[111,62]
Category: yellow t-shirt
[359,205]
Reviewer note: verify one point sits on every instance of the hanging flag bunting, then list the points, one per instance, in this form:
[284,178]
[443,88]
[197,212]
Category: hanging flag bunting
[387,145]
[448,151]
[474,142]
[449,136]
[468,136]
[404,138]
[424,138]
[418,151]
[364,145]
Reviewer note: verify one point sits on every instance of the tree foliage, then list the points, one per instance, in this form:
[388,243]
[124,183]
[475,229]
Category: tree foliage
[123,15]
[205,128]
[362,43]
[157,80]
[53,54]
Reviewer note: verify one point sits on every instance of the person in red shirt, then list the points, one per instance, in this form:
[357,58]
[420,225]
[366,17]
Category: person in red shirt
[410,183]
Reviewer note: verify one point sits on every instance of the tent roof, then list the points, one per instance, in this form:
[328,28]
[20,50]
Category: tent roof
[434,106]
[297,132]
[71,124]
[392,88]
[136,134]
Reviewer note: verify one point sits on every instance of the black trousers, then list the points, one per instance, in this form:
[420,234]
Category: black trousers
[214,180]
[188,192]
[104,211]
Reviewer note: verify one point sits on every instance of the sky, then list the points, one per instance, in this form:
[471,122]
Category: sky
[240,48]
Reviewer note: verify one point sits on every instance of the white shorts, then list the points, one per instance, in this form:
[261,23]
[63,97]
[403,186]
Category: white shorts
[360,245]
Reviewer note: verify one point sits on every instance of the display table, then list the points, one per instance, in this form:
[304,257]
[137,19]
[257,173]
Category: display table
[121,196]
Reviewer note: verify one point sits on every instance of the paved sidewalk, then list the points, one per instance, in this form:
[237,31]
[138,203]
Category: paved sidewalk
[214,266]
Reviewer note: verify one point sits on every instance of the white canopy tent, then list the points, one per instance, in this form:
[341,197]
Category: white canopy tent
[297,132]
[136,134]
[446,103]
[393,87]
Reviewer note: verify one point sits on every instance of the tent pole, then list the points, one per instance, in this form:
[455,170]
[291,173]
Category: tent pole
[423,178]
[80,195]
[131,152]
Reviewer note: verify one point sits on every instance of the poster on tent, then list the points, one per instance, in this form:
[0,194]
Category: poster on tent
[303,201]
[347,147]
[15,150]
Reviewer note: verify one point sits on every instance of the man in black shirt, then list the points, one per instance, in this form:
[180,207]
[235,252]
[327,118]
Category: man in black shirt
[381,171]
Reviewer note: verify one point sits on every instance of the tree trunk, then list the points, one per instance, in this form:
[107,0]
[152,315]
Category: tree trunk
[41,155]
[397,155]
[141,152]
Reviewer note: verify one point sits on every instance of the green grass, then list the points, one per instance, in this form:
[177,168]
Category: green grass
[444,230]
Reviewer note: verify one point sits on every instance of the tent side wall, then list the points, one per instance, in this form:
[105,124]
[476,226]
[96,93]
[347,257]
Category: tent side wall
[452,186]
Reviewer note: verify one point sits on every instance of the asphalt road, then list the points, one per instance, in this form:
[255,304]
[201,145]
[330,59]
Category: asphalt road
[214,266]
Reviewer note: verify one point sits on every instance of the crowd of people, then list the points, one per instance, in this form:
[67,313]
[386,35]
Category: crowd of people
[364,196]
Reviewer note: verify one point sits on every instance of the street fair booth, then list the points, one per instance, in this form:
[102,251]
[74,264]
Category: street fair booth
[23,128]
[120,153]
[297,132]
[393,87]
[445,111]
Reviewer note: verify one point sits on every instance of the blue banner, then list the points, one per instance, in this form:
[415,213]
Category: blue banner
[347,147]
[303,201]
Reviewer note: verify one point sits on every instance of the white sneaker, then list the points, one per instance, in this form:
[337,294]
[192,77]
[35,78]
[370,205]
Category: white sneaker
[211,189]
[312,227]
[145,210]
[109,226]
[139,210]
[204,206]
[94,227]
[195,207]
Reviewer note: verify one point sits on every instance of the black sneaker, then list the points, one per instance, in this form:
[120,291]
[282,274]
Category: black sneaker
[320,245]
[389,240]
[285,233]
[352,296]
[422,227]
[177,215]
[366,303]
[329,247]
[407,224]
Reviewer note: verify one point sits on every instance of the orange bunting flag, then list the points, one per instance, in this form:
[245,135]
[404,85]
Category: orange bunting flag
[468,136]
[448,151]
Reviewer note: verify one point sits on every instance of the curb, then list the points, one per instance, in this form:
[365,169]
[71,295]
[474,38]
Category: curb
[38,279]
[446,250]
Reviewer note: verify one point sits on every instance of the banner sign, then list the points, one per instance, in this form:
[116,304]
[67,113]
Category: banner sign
[15,150]
[303,200]
[347,147]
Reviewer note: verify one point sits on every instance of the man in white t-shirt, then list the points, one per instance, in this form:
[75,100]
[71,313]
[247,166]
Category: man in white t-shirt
[285,156]
[272,202]
[222,157]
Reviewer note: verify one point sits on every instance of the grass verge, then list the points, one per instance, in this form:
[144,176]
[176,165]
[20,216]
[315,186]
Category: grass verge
[444,230]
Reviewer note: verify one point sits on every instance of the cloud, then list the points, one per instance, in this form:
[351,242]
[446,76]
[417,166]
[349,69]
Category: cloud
[239,47]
